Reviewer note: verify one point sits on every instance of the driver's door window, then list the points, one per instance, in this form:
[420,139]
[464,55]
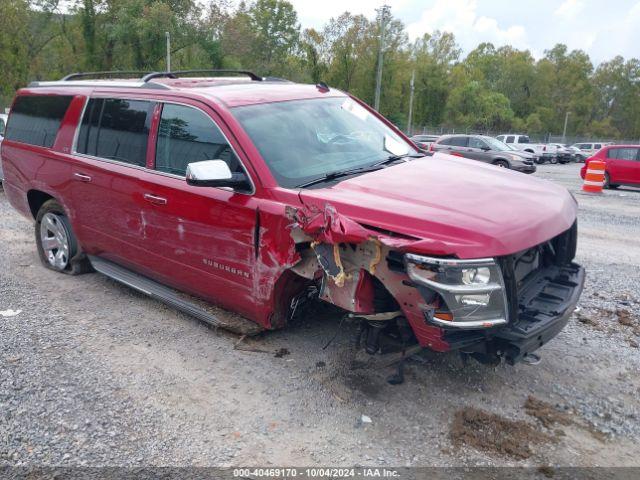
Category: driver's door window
[187,135]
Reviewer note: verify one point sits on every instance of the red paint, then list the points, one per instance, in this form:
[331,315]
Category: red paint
[621,171]
[235,249]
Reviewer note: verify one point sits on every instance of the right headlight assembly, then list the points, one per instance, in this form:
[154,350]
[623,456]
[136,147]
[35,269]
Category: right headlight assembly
[473,290]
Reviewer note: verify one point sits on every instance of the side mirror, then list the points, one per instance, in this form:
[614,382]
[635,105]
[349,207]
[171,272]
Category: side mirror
[215,173]
[485,148]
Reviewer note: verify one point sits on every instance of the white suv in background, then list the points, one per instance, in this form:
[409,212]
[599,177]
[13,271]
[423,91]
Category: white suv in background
[589,149]
[545,153]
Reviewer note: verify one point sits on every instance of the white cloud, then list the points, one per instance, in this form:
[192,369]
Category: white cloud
[460,18]
[316,13]
[569,8]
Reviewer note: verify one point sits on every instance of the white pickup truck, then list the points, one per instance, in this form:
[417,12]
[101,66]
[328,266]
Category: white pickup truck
[545,153]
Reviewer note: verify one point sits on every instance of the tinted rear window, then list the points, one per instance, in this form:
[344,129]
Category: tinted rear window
[116,129]
[458,141]
[35,119]
[623,153]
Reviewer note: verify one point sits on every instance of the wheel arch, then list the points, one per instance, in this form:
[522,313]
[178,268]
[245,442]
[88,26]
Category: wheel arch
[500,159]
[37,198]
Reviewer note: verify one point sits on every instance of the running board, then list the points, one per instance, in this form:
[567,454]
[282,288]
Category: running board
[186,303]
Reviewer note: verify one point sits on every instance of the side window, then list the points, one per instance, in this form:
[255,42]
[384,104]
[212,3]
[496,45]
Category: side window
[510,139]
[445,141]
[500,137]
[476,143]
[188,135]
[116,129]
[2,126]
[597,146]
[623,153]
[458,141]
[35,119]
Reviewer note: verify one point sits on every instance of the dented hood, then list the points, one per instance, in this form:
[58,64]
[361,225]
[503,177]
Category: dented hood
[444,205]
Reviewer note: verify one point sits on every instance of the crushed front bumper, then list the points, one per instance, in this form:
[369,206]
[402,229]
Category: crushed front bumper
[545,304]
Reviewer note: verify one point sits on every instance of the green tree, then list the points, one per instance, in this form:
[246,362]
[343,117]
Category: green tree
[277,32]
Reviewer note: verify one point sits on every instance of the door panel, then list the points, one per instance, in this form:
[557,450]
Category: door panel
[106,174]
[200,240]
[622,164]
[202,237]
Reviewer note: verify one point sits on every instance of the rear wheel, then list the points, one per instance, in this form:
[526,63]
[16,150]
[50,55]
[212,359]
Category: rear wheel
[501,164]
[57,245]
[553,160]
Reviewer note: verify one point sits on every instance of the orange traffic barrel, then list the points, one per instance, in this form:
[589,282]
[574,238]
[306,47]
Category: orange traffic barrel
[594,177]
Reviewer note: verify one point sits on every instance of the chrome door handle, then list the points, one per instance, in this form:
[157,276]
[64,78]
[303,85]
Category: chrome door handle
[155,199]
[82,177]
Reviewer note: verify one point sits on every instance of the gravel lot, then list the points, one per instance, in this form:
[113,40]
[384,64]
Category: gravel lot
[92,373]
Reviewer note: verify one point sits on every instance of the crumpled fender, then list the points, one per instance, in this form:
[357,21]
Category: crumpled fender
[328,226]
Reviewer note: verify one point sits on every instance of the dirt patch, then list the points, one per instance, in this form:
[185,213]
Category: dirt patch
[549,416]
[588,320]
[546,413]
[624,317]
[493,433]
[281,352]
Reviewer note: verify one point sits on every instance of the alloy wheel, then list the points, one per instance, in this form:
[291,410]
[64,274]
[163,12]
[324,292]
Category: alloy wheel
[55,241]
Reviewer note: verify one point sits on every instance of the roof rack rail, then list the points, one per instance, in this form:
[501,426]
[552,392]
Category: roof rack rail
[109,73]
[176,73]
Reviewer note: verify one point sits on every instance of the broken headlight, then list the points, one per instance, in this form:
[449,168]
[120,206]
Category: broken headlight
[473,290]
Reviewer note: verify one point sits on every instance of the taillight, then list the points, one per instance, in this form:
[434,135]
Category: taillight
[544,149]
[431,149]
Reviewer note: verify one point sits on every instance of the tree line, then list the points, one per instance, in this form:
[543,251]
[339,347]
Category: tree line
[490,88]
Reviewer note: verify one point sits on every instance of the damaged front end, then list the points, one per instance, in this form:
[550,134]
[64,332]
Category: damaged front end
[488,308]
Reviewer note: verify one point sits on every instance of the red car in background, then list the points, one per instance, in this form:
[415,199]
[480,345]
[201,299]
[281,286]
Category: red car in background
[622,165]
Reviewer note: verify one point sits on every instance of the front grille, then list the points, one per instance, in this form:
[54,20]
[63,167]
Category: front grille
[520,268]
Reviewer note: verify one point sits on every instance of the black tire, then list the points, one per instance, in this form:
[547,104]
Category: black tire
[71,259]
[553,160]
[501,163]
[607,182]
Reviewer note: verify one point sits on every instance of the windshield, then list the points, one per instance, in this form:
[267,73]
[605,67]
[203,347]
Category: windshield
[302,140]
[496,145]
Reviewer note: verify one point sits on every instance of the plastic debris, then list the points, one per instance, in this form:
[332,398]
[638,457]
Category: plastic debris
[9,313]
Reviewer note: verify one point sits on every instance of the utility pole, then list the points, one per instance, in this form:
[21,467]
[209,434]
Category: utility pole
[411,88]
[168,35]
[564,131]
[384,14]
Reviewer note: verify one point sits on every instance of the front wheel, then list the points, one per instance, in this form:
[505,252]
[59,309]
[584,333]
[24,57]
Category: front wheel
[553,160]
[57,245]
[501,164]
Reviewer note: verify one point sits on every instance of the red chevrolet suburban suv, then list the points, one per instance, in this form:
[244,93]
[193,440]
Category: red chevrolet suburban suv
[261,196]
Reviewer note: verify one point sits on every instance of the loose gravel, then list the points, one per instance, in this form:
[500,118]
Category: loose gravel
[92,373]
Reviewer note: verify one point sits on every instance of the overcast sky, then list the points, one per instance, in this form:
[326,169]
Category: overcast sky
[603,29]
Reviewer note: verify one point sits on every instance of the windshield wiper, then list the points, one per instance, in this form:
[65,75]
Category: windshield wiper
[340,173]
[395,158]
